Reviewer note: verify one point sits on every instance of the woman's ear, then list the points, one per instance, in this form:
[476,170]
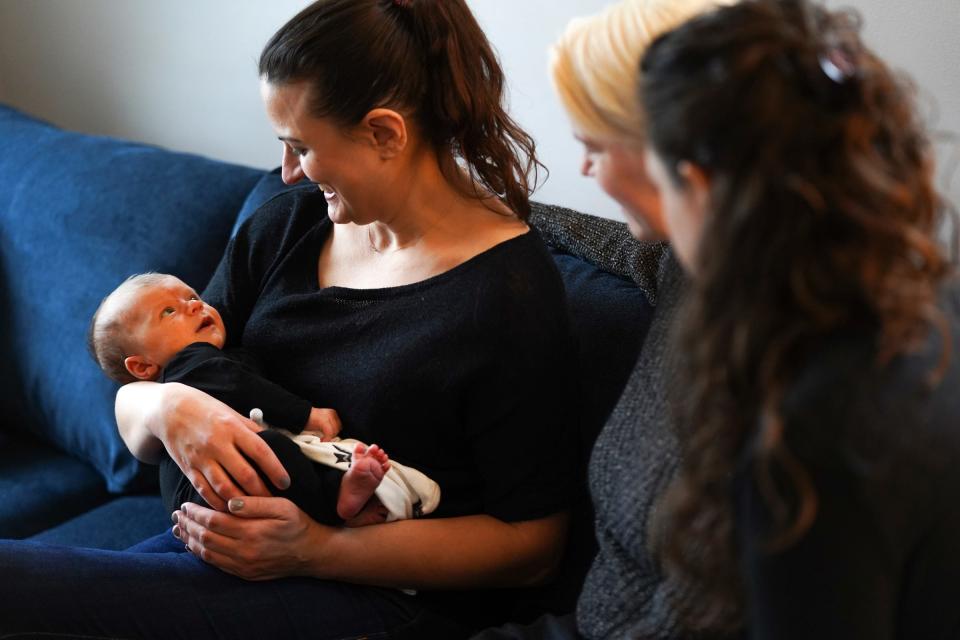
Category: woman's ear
[696,183]
[141,368]
[387,131]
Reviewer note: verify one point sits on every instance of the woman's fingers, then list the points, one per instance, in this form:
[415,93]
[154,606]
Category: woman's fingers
[253,447]
[240,477]
[260,538]
[206,491]
[252,507]
[206,436]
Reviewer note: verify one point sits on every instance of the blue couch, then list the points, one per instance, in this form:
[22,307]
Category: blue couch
[79,213]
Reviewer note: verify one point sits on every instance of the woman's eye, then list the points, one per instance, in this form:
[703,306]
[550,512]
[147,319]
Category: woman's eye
[166,311]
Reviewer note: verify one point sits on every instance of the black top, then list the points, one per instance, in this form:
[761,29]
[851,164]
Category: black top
[233,377]
[883,451]
[462,376]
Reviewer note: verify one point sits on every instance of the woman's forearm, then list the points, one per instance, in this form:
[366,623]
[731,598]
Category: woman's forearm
[444,553]
[137,405]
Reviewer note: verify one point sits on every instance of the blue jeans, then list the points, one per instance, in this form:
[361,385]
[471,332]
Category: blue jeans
[158,590]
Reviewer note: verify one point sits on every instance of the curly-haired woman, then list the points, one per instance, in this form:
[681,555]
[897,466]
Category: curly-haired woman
[821,424]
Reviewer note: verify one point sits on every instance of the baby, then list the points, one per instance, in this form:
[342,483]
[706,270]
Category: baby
[155,327]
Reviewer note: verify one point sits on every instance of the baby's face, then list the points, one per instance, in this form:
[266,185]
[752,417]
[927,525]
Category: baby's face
[167,317]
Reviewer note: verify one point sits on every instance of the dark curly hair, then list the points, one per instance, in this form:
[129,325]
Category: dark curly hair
[427,58]
[823,217]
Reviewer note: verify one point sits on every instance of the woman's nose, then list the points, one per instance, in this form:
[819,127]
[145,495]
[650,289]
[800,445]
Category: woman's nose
[586,167]
[290,171]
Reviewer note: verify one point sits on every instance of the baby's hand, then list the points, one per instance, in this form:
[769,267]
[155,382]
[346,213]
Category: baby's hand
[324,421]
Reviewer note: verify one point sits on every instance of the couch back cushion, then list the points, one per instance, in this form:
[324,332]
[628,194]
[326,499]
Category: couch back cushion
[78,214]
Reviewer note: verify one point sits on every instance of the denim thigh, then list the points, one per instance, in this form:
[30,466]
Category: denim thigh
[158,590]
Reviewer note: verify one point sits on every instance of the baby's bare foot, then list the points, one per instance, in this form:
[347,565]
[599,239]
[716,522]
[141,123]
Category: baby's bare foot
[372,513]
[361,479]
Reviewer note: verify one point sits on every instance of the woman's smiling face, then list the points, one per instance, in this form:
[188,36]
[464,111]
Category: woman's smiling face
[343,167]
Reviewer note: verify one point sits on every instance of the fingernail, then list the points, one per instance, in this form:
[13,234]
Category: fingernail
[235,504]
[285,482]
[176,531]
[175,517]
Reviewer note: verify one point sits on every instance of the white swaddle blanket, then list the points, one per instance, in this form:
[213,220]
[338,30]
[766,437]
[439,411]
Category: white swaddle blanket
[404,492]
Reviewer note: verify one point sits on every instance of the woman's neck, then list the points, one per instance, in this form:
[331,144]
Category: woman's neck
[422,202]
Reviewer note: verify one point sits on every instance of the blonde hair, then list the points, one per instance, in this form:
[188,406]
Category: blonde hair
[595,65]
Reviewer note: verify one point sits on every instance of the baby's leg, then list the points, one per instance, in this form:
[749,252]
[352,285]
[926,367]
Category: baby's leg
[361,479]
[175,489]
[313,487]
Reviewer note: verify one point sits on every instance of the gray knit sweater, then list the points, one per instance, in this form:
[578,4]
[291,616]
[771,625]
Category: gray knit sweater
[636,455]
[633,461]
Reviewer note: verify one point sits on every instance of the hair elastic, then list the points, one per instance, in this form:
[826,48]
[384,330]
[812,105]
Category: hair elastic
[838,65]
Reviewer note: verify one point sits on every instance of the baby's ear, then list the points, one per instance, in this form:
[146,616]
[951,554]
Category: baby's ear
[141,368]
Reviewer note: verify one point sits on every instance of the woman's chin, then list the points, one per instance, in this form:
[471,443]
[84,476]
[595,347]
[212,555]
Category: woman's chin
[640,231]
[337,212]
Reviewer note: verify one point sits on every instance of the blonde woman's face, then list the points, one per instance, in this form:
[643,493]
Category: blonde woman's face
[621,172]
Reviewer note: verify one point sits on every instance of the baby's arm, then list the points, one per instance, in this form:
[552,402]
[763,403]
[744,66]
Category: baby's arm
[233,378]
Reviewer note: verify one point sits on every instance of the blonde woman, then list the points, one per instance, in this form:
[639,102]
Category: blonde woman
[594,67]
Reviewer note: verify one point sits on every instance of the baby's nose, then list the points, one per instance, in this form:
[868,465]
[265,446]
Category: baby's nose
[194,306]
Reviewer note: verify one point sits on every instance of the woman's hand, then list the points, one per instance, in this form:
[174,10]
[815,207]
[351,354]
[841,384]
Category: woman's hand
[258,539]
[263,538]
[214,446]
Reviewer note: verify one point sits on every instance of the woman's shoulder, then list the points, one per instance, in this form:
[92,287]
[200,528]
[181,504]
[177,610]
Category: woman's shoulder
[288,214]
[894,420]
[517,269]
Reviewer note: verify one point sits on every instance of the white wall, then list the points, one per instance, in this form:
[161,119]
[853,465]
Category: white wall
[181,73]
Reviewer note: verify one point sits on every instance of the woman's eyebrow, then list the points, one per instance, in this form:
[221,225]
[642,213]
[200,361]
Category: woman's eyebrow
[289,139]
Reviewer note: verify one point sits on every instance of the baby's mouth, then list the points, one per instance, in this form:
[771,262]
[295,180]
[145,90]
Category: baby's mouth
[206,322]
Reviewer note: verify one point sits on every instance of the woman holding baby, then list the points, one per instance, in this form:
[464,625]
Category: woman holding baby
[408,293]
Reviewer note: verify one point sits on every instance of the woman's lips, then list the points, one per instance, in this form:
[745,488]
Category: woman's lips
[328,193]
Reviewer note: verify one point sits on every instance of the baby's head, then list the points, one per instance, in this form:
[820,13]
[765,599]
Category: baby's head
[145,321]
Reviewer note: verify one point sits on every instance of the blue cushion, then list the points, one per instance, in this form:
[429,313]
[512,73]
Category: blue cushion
[78,214]
[116,525]
[610,316]
[41,487]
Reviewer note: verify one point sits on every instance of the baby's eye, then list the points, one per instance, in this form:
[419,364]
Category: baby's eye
[166,311]
[194,297]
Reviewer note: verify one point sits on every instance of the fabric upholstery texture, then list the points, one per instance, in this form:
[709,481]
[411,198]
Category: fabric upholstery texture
[78,214]
[41,487]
